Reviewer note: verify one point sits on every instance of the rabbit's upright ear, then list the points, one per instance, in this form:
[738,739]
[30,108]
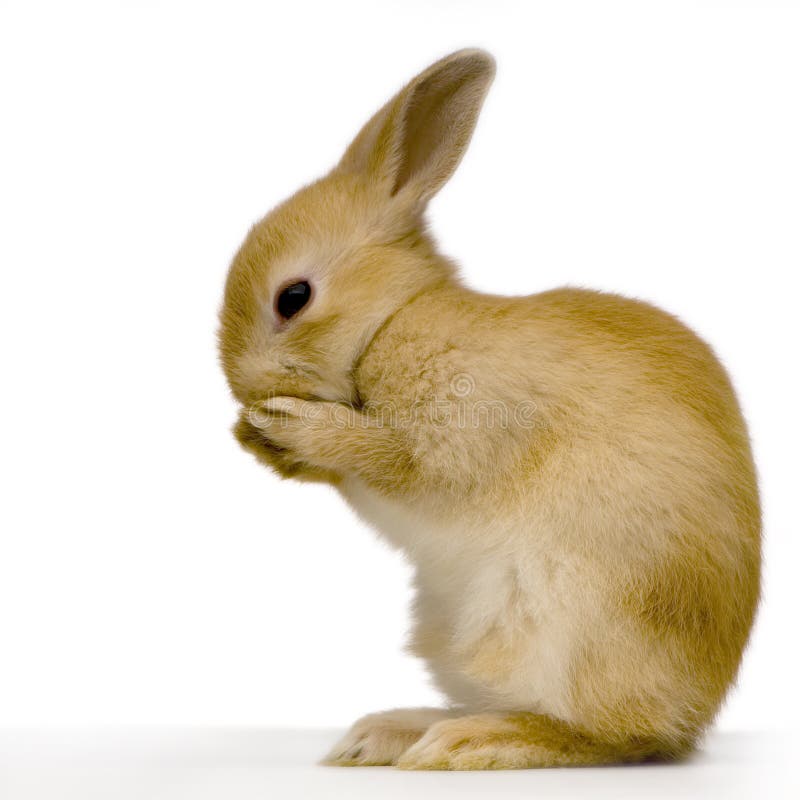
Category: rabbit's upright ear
[412,146]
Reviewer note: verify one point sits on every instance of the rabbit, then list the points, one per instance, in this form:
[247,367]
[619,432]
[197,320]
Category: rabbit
[568,473]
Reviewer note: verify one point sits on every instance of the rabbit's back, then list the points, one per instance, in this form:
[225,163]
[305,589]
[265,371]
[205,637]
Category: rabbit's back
[523,383]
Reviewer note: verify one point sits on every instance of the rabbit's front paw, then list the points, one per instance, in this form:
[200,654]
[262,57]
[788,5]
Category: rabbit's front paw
[327,439]
[378,740]
[298,427]
[311,436]
[252,438]
[256,431]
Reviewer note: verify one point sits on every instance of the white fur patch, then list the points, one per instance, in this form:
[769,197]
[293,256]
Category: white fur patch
[487,590]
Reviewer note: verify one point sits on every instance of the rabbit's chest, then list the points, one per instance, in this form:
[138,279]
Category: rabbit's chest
[495,624]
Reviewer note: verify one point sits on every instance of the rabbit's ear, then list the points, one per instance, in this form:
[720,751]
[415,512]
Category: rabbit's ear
[412,146]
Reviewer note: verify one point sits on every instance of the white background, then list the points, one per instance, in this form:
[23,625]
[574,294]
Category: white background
[150,571]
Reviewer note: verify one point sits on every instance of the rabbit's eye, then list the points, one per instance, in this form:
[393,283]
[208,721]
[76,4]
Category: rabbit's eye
[293,298]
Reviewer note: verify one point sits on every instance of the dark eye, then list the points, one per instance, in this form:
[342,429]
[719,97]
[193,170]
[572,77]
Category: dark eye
[293,298]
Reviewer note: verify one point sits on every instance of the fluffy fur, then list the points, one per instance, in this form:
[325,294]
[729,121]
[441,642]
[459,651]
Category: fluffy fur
[569,473]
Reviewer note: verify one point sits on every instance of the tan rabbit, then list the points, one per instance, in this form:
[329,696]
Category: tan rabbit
[569,473]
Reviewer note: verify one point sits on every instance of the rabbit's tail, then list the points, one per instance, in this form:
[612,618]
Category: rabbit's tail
[521,741]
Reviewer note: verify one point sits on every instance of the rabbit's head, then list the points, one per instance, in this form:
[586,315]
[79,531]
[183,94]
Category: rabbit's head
[322,272]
